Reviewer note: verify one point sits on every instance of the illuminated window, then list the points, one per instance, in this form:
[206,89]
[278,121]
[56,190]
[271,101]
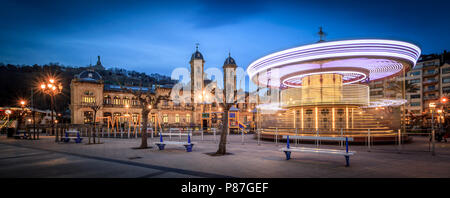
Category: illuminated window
[88,117]
[106,114]
[126,100]
[116,100]
[177,118]
[188,118]
[134,101]
[135,117]
[88,97]
[165,118]
[325,111]
[107,99]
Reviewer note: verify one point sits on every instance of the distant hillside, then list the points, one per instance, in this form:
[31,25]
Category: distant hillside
[17,81]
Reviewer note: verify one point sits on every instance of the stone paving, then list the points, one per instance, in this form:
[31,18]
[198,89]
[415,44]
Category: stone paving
[116,158]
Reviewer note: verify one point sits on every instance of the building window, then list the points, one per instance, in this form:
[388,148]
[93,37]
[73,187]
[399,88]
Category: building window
[414,81]
[106,115]
[177,118]
[446,70]
[134,101]
[165,118]
[309,111]
[116,100]
[188,118]
[446,79]
[415,104]
[415,96]
[340,111]
[446,89]
[107,100]
[325,112]
[135,117]
[416,73]
[88,117]
[88,98]
[126,101]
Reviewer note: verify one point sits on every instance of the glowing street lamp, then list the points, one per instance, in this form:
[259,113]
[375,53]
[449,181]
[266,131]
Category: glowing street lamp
[432,106]
[444,100]
[52,88]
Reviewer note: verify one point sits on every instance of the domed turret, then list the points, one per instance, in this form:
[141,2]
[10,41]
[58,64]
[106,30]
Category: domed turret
[229,61]
[89,75]
[197,55]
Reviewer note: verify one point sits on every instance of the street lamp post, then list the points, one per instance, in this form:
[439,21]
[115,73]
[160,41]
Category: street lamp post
[52,88]
[433,133]
[22,114]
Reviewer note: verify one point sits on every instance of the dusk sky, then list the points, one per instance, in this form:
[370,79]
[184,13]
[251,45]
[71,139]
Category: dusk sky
[159,36]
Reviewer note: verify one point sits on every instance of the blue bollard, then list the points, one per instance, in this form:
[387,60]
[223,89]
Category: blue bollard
[287,144]
[347,158]
[78,140]
[67,138]
[346,144]
[160,137]
[288,154]
[188,147]
[189,138]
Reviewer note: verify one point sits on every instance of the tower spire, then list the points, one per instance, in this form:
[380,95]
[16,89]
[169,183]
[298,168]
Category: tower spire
[196,46]
[98,61]
[321,34]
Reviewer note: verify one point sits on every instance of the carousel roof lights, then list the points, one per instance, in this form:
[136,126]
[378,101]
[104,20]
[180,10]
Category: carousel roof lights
[382,58]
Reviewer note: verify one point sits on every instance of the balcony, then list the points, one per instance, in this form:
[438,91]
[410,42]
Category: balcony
[428,74]
[429,65]
[431,89]
[431,81]
[165,107]
[430,98]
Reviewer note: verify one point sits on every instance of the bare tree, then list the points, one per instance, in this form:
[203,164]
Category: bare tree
[148,101]
[95,108]
[226,106]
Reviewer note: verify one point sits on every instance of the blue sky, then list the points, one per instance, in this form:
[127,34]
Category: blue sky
[159,36]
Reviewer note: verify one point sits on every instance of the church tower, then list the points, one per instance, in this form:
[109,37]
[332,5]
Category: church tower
[197,65]
[229,76]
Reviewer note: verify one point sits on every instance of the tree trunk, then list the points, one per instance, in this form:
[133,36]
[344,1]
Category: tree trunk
[89,134]
[223,136]
[144,127]
[94,131]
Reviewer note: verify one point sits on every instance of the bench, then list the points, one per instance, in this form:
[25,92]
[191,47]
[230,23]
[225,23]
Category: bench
[20,134]
[188,145]
[67,138]
[288,149]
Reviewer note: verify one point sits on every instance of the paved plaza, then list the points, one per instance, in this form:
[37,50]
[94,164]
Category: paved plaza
[116,158]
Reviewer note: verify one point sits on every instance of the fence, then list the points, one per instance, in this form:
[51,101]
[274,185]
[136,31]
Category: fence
[370,140]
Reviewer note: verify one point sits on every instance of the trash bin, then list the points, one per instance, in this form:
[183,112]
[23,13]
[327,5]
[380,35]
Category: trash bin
[10,132]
